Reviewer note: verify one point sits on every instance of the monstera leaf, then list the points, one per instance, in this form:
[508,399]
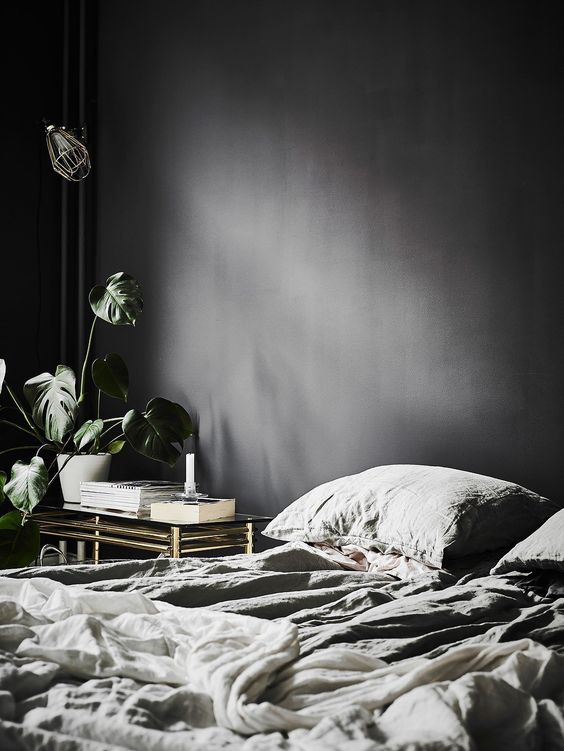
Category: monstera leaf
[119,302]
[88,435]
[154,432]
[115,446]
[28,484]
[2,373]
[52,399]
[19,543]
[110,375]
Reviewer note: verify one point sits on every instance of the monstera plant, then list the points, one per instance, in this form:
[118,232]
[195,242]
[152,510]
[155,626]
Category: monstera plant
[51,416]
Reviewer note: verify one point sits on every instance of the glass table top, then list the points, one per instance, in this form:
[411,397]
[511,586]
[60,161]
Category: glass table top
[71,510]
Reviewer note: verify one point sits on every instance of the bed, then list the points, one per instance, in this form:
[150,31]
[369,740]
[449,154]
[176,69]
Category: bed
[284,650]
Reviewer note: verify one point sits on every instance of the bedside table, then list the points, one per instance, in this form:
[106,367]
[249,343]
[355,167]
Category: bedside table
[133,533]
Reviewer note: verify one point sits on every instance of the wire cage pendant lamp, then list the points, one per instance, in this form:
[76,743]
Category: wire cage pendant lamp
[69,156]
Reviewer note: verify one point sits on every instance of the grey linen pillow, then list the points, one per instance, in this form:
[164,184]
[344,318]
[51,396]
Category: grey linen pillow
[419,511]
[543,549]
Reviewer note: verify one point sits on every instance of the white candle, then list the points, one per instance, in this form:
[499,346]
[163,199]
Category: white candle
[190,485]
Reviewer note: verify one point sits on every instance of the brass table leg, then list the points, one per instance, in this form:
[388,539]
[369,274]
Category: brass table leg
[96,544]
[249,545]
[175,542]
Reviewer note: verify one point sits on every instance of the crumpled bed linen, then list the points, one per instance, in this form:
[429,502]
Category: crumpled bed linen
[357,558]
[382,664]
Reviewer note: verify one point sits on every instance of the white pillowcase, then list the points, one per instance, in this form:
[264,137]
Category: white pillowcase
[418,511]
[544,549]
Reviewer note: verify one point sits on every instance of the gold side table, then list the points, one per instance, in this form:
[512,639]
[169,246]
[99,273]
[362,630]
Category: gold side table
[133,533]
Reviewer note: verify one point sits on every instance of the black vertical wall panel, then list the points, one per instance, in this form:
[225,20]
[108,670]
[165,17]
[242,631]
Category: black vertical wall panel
[31,64]
[347,218]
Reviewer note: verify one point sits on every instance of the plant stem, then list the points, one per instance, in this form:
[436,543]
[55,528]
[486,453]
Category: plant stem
[21,409]
[58,472]
[115,438]
[85,363]
[47,446]
[17,448]
[61,451]
[19,427]
[99,399]
[108,431]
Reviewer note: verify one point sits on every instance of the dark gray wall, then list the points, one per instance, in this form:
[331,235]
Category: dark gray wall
[348,220]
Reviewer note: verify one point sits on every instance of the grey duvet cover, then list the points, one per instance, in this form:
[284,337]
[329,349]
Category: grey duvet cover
[281,650]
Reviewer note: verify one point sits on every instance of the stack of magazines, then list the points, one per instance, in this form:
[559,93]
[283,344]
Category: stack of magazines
[133,497]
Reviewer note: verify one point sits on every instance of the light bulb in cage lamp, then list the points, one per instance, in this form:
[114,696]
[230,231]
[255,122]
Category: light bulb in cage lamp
[68,155]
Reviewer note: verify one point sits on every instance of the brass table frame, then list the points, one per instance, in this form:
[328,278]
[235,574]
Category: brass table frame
[174,540]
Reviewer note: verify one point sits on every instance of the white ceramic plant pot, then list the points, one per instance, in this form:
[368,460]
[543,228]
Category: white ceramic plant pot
[82,468]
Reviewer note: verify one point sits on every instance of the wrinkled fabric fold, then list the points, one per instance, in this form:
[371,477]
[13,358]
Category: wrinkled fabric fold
[383,665]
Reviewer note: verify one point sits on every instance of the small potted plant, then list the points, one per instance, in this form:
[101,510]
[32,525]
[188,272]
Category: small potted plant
[51,415]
